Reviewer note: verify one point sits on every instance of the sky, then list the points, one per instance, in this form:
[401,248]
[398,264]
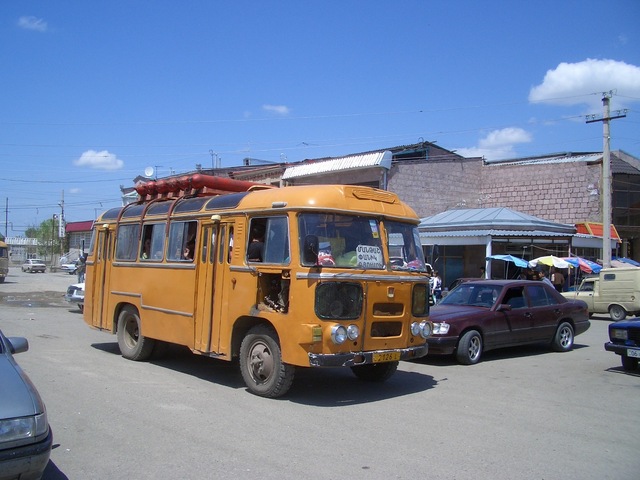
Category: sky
[94,93]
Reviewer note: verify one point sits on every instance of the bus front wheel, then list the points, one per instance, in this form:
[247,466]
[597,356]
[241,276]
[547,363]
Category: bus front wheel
[261,364]
[133,345]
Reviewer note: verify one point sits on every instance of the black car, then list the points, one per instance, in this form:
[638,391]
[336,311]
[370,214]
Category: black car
[481,315]
[25,436]
[624,339]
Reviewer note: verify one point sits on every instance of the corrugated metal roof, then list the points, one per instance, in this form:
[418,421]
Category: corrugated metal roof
[493,233]
[485,219]
[562,158]
[352,162]
[621,162]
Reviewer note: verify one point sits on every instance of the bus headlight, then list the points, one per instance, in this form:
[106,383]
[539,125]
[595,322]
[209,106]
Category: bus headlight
[353,332]
[338,334]
[422,329]
[415,329]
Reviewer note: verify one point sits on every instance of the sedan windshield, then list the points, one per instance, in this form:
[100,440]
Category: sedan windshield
[474,294]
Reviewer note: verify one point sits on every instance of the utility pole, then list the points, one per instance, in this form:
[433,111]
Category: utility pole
[606,175]
[61,225]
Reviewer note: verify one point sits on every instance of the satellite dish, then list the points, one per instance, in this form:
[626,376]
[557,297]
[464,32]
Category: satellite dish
[148,172]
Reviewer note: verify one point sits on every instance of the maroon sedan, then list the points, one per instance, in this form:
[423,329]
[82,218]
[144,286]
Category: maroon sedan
[485,314]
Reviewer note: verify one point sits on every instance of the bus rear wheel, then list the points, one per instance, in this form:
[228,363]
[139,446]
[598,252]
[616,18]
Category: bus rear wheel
[133,345]
[261,365]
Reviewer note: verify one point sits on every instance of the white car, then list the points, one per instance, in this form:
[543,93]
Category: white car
[70,268]
[75,294]
[34,265]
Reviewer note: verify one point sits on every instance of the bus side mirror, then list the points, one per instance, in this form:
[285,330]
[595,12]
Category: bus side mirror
[310,250]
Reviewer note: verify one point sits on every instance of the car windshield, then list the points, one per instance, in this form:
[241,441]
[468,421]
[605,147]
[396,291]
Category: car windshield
[353,241]
[473,294]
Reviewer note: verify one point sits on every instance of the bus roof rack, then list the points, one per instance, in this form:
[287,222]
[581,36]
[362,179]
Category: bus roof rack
[193,185]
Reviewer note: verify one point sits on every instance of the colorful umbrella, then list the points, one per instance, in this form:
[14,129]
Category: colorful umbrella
[587,266]
[551,261]
[519,262]
[627,260]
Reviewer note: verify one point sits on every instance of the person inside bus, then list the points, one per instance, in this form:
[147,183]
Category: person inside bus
[146,249]
[255,250]
[188,250]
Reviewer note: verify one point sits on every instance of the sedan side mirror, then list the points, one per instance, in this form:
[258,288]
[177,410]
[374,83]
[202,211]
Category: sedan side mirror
[18,344]
[504,307]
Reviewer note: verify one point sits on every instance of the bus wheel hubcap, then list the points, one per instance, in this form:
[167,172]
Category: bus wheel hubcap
[261,362]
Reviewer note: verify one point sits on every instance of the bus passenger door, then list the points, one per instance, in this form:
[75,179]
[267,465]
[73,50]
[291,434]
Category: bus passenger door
[99,293]
[205,288]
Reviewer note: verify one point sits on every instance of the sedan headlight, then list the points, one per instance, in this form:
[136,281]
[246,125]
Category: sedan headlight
[23,428]
[618,334]
[440,328]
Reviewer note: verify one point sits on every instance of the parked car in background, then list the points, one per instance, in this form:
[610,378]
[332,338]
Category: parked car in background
[75,294]
[25,436]
[624,340]
[34,265]
[615,291]
[70,268]
[481,315]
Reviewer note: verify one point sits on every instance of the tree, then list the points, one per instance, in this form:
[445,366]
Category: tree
[47,235]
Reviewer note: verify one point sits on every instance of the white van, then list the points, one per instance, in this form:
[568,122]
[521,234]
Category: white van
[615,291]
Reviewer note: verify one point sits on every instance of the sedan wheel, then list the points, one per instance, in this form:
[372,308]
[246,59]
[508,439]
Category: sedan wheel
[563,339]
[469,348]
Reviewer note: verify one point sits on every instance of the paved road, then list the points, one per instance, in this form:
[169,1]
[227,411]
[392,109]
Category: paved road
[520,414]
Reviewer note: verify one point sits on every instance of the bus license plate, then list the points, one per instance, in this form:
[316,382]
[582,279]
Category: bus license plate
[633,353]
[386,357]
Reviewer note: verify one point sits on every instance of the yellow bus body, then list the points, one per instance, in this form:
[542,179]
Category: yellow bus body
[211,303]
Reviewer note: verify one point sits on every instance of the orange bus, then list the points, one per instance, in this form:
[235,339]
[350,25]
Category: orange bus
[276,278]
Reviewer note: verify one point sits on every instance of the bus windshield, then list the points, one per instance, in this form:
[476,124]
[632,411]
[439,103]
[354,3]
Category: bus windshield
[352,241]
[405,250]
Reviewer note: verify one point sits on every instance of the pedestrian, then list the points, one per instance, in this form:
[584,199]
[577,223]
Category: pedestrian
[544,278]
[437,286]
[82,267]
[557,279]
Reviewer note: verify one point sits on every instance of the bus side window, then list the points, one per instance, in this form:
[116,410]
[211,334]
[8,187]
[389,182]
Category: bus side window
[276,247]
[182,241]
[268,240]
[152,247]
[223,234]
[127,242]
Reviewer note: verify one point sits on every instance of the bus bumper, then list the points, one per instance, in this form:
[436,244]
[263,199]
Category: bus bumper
[351,359]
